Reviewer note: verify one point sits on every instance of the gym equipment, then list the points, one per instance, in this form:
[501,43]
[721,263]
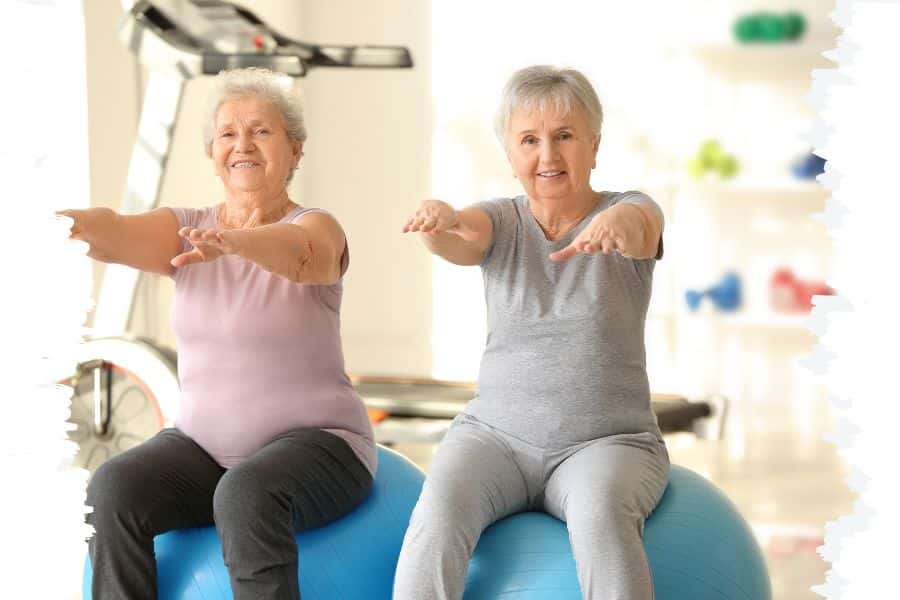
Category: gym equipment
[725,295]
[697,543]
[125,389]
[421,410]
[769,28]
[789,294]
[808,167]
[711,158]
[353,558]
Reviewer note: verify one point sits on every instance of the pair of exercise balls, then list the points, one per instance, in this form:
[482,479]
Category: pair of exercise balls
[698,546]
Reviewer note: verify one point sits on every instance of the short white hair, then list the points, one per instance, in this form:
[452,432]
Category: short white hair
[542,87]
[273,87]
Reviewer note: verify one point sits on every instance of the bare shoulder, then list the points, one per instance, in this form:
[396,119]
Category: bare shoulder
[320,224]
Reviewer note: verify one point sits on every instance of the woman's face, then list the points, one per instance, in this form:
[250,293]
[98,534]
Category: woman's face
[551,153]
[251,149]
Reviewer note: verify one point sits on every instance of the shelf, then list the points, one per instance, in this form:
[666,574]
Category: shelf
[754,321]
[795,191]
[764,61]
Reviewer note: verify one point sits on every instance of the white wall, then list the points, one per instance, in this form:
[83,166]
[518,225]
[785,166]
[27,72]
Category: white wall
[367,160]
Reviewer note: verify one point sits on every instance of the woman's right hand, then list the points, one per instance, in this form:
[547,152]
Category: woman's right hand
[436,216]
[80,218]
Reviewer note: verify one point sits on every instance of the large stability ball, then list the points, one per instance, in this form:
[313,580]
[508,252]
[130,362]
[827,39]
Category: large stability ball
[353,558]
[698,545]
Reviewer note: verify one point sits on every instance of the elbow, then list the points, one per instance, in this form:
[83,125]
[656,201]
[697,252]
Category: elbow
[307,268]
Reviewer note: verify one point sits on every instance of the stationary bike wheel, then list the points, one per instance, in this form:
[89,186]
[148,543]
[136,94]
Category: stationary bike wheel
[124,391]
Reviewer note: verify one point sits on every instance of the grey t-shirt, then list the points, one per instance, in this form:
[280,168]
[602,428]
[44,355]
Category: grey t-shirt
[565,359]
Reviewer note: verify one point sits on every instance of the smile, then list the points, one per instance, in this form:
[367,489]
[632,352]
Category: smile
[550,173]
[244,164]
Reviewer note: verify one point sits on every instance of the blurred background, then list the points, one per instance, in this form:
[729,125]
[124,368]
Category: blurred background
[705,110]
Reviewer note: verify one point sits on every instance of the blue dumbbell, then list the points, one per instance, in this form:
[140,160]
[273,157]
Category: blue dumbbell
[808,167]
[725,295]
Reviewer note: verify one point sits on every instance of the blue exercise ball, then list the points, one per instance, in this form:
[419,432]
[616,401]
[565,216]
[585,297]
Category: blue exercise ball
[353,558]
[698,545]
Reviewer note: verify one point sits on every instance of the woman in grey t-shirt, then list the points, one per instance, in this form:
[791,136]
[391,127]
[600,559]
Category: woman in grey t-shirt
[561,421]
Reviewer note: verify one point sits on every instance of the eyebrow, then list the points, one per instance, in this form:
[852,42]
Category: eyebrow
[252,123]
[558,129]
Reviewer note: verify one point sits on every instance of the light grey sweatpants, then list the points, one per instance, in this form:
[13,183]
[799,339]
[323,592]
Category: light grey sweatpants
[603,489]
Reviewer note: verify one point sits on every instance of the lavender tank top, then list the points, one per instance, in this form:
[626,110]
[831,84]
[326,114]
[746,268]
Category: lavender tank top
[260,355]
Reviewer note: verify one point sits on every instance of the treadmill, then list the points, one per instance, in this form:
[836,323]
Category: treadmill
[417,410]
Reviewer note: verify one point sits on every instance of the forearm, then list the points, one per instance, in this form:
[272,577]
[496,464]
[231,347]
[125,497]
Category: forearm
[451,248]
[284,249]
[458,250]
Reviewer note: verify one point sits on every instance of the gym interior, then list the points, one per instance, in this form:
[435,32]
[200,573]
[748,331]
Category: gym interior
[705,110]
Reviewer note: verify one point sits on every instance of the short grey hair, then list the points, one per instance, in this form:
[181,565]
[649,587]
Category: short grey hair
[276,88]
[544,86]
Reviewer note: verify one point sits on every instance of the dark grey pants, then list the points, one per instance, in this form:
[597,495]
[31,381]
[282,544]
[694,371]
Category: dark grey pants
[300,480]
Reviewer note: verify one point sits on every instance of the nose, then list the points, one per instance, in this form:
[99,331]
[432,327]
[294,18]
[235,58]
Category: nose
[244,143]
[549,152]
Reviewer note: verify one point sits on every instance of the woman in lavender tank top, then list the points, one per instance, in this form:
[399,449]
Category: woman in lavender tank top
[271,437]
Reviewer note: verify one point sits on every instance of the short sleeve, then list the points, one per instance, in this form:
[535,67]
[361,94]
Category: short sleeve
[188,217]
[635,197]
[495,209]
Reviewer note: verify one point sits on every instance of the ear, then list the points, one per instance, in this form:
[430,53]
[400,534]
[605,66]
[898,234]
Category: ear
[596,147]
[297,152]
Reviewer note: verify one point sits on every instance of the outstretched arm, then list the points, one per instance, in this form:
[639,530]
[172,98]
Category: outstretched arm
[307,250]
[146,241]
[460,237]
[633,230]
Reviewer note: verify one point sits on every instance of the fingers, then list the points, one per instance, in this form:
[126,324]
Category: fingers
[420,222]
[187,258]
[564,254]
[591,241]
[433,216]
[209,236]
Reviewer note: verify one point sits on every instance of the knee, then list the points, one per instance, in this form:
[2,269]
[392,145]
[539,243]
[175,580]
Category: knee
[604,510]
[115,492]
[446,512]
[241,497]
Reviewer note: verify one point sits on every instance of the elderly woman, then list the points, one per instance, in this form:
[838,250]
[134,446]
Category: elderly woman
[271,438]
[561,421]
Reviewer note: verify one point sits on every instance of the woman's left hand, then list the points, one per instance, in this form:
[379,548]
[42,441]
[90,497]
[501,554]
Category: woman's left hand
[210,244]
[607,232]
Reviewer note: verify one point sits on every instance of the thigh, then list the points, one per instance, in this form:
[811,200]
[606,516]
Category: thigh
[616,476]
[167,481]
[475,472]
[314,471]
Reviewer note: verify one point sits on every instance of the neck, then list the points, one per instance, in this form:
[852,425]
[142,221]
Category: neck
[558,216]
[239,206]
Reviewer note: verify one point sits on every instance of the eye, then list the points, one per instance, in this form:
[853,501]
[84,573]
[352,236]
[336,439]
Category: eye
[565,135]
[529,139]
[262,131]
[226,134]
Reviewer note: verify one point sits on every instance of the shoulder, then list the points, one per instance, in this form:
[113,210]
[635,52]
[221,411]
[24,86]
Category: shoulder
[192,217]
[310,216]
[635,197]
[502,211]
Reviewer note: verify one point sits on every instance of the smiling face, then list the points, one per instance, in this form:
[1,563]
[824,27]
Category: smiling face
[551,152]
[251,149]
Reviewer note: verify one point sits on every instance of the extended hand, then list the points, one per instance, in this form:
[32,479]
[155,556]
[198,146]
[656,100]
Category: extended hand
[436,216]
[210,244]
[605,233]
